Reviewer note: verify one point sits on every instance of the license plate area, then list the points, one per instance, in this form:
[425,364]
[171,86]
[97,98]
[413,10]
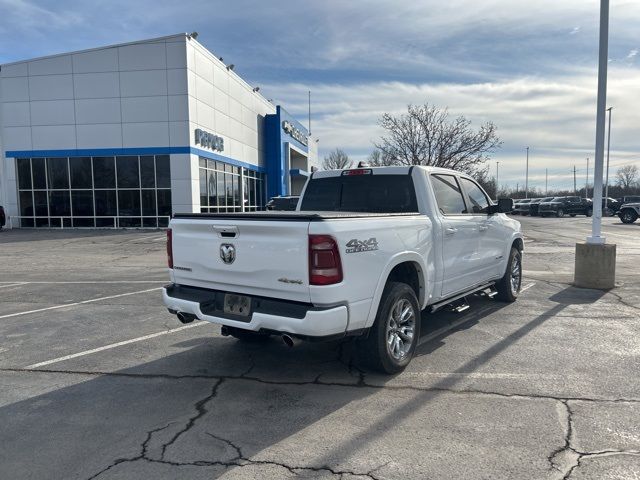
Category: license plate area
[237,304]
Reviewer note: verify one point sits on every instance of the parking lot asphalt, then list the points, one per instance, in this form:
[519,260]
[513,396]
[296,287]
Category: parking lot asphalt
[98,380]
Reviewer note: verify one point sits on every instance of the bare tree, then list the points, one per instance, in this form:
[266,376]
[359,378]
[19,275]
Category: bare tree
[481,176]
[379,159]
[627,176]
[336,160]
[426,136]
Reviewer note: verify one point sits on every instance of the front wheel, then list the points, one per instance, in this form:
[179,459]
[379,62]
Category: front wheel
[560,213]
[509,285]
[628,216]
[589,212]
[393,338]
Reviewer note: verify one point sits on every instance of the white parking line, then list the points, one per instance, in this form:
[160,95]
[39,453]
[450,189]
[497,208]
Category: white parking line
[55,307]
[527,287]
[81,282]
[12,285]
[113,345]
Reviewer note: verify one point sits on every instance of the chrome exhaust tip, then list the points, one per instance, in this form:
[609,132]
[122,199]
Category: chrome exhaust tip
[185,317]
[289,341]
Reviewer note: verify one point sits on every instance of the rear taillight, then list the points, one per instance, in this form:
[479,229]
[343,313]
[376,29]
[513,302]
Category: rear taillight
[169,248]
[324,260]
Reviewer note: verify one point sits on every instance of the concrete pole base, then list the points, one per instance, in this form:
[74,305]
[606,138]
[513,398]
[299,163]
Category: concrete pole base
[595,266]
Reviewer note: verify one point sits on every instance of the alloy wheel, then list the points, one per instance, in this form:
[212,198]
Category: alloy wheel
[400,330]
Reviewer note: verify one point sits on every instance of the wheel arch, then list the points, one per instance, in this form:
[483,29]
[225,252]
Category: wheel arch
[409,268]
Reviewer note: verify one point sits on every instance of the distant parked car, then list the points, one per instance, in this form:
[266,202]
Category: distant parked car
[629,212]
[629,199]
[561,206]
[521,207]
[612,205]
[283,203]
[3,217]
[534,206]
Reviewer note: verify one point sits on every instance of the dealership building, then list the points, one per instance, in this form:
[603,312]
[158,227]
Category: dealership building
[126,135]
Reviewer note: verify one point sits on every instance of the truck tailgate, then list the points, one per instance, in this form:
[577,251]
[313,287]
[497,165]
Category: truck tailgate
[271,255]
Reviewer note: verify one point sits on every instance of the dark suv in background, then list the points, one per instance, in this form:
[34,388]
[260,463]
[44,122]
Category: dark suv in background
[3,218]
[534,206]
[561,206]
[521,207]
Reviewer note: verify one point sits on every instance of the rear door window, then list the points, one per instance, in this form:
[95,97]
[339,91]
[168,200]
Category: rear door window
[448,194]
[366,193]
[479,201]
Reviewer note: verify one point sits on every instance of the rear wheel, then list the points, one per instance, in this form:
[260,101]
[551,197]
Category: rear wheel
[393,338]
[560,213]
[589,212]
[628,216]
[509,285]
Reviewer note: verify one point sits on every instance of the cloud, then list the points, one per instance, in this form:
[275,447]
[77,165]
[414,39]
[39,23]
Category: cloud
[553,115]
[632,53]
[574,31]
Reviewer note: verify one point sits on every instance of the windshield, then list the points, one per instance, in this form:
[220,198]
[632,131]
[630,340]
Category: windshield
[557,199]
[361,193]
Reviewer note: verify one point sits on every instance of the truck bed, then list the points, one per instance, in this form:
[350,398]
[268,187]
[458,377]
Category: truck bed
[288,216]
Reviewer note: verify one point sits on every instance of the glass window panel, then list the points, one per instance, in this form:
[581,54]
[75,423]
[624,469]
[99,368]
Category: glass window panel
[129,203]
[57,170]
[202,162]
[148,203]
[479,201]
[228,168]
[39,173]
[41,206]
[24,173]
[26,222]
[203,188]
[235,170]
[220,190]
[80,171]
[147,171]
[26,204]
[210,164]
[164,202]
[246,192]
[163,171]
[129,222]
[163,222]
[106,204]
[104,172]
[211,178]
[43,222]
[128,175]
[59,203]
[448,194]
[83,222]
[105,222]
[150,222]
[82,203]
[228,187]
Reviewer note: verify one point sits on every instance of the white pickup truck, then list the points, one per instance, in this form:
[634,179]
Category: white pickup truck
[364,253]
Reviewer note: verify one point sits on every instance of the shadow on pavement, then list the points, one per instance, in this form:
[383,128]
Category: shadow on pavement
[216,404]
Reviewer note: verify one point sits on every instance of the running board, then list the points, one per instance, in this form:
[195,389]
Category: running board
[443,303]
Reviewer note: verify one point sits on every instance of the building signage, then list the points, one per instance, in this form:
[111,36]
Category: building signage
[209,140]
[288,128]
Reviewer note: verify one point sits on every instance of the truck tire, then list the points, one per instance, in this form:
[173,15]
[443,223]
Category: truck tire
[628,215]
[246,335]
[509,285]
[560,213]
[393,338]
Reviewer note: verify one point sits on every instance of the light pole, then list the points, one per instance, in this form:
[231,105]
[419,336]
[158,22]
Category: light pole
[546,181]
[526,179]
[586,184]
[497,184]
[606,185]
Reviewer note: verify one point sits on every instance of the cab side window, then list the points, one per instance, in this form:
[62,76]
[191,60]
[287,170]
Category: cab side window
[448,194]
[478,199]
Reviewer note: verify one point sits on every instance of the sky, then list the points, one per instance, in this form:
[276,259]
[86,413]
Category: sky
[529,67]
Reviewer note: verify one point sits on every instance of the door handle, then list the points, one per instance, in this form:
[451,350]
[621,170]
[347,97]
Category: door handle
[483,228]
[450,230]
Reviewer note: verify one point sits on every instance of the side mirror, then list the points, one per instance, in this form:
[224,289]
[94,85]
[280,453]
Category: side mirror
[505,205]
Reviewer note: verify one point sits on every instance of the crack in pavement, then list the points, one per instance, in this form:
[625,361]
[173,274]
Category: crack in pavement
[567,458]
[316,381]
[239,460]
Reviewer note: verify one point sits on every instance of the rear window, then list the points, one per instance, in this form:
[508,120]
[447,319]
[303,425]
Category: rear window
[361,193]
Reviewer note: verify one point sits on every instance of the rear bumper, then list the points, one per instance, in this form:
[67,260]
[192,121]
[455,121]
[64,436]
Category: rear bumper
[280,316]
